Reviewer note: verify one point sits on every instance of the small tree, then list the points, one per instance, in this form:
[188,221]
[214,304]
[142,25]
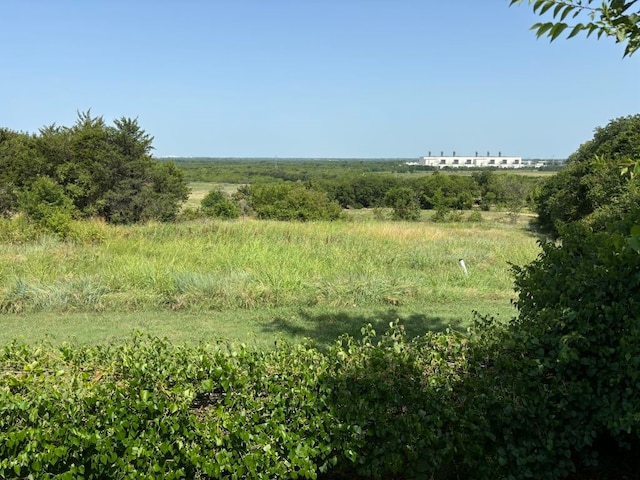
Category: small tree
[217,204]
[404,203]
[288,201]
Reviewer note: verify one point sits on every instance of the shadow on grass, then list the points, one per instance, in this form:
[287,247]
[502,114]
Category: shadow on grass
[325,328]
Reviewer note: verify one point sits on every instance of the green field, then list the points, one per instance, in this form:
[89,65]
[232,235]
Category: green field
[256,281]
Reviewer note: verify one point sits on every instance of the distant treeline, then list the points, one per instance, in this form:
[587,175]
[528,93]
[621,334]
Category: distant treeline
[362,183]
[433,191]
[262,170]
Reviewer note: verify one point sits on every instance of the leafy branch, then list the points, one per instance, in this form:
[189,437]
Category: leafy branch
[613,18]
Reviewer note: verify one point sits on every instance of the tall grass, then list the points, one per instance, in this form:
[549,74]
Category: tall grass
[250,264]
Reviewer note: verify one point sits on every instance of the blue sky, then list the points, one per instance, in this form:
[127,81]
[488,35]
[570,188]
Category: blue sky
[312,78]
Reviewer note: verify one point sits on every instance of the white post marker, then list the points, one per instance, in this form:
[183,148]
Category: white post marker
[464,267]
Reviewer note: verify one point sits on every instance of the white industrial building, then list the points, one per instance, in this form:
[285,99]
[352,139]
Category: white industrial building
[476,161]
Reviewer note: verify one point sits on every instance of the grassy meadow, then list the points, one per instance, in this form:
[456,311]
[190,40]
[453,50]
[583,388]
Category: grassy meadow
[256,281]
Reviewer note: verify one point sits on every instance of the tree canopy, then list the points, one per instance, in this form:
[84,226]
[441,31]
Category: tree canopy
[101,170]
[592,188]
[612,18]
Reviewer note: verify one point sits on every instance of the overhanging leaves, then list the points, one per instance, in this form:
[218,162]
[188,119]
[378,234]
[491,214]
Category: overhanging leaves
[612,18]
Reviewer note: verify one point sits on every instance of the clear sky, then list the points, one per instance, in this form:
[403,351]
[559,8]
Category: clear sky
[312,78]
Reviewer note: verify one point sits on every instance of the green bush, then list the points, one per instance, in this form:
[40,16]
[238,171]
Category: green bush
[442,190]
[571,357]
[404,203]
[444,214]
[188,214]
[217,204]
[18,230]
[147,409]
[8,201]
[46,203]
[102,170]
[512,400]
[441,215]
[288,201]
[403,413]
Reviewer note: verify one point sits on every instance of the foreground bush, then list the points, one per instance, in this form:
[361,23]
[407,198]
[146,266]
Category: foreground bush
[149,409]
[560,384]
[441,406]
[579,327]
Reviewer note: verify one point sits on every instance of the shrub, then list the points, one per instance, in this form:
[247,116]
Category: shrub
[578,351]
[8,201]
[149,409]
[442,214]
[103,171]
[47,205]
[445,214]
[18,230]
[287,201]
[217,204]
[404,203]
[189,213]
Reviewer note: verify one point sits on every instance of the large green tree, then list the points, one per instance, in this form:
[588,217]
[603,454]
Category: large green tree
[105,170]
[592,181]
[619,19]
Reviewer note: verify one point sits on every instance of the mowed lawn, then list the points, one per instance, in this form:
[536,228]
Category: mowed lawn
[258,281]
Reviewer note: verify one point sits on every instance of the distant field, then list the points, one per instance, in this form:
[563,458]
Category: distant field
[200,189]
[260,170]
[255,281]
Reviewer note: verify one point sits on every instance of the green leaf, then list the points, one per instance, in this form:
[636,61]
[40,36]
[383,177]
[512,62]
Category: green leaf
[546,7]
[542,28]
[538,4]
[575,30]
[634,242]
[567,10]
[557,9]
[207,385]
[592,27]
[557,29]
